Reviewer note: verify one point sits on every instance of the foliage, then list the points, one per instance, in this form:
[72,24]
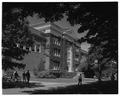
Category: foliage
[101,67]
[45,74]
[40,67]
[102,30]
[14,31]
[68,75]
[83,64]
[89,73]
[100,19]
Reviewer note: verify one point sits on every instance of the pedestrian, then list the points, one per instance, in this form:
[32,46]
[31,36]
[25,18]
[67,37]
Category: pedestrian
[15,75]
[28,76]
[80,79]
[116,76]
[24,76]
[112,77]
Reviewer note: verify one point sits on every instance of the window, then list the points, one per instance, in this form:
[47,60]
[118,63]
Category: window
[77,59]
[32,48]
[37,48]
[21,46]
[18,45]
[29,48]
[56,41]
[24,47]
[59,52]
[56,52]
[77,50]
[56,65]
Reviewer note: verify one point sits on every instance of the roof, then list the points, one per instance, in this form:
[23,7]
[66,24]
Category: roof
[84,52]
[35,32]
[68,31]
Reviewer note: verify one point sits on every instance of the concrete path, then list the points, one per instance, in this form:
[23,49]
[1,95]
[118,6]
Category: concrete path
[46,84]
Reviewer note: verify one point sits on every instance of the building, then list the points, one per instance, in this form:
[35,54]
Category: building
[58,48]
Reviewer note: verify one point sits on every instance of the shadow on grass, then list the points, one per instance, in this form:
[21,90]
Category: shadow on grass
[7,85]
[105,87]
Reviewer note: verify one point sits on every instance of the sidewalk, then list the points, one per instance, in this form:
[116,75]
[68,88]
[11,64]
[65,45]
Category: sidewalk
[45,84]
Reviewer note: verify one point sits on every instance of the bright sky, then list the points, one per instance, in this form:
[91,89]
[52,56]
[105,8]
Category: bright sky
[64,24]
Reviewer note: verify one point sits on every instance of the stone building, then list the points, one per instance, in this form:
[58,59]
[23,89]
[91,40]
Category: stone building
[58,48]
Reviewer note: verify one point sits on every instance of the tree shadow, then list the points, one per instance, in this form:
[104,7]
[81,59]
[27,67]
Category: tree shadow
[8,85]
[104,87]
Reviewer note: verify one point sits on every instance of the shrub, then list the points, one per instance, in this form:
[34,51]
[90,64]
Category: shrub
[40,67]
[68,75]
[7,82]
[45,74]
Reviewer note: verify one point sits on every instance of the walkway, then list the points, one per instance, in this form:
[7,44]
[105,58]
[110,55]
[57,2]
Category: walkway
[45,84]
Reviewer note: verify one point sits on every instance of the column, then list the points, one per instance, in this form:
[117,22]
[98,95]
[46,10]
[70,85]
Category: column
[63,54]
[40,48]
[30,49]
[73,56]
[24,47]
[18,45]
[35,50]
[79,55]
[71,60]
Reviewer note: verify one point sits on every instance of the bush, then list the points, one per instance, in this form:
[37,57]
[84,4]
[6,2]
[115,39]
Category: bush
[7,82]
[89,73]
[40,67]
[52,74]
[45,74]
[68,75]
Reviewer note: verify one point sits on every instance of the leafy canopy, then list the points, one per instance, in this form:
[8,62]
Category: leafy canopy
[100,19]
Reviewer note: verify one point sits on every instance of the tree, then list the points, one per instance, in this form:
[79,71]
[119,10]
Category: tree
[40,67]
[97,61]
[94,17]
[15,31]
[101,23]
[103,36]
[102,26]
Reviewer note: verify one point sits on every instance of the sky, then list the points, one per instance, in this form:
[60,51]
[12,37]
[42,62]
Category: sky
[64,24]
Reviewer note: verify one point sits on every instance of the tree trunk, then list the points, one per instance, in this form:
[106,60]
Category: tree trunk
[99,76]
[99,72]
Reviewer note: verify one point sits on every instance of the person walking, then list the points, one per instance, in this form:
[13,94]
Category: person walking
[28,76]
[112,77]
[24,77]
[15,74]
[80,79]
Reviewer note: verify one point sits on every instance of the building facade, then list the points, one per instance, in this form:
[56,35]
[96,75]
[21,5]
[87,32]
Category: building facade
[56,46]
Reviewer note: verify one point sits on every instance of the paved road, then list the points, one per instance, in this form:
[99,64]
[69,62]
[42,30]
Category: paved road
[45,84]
